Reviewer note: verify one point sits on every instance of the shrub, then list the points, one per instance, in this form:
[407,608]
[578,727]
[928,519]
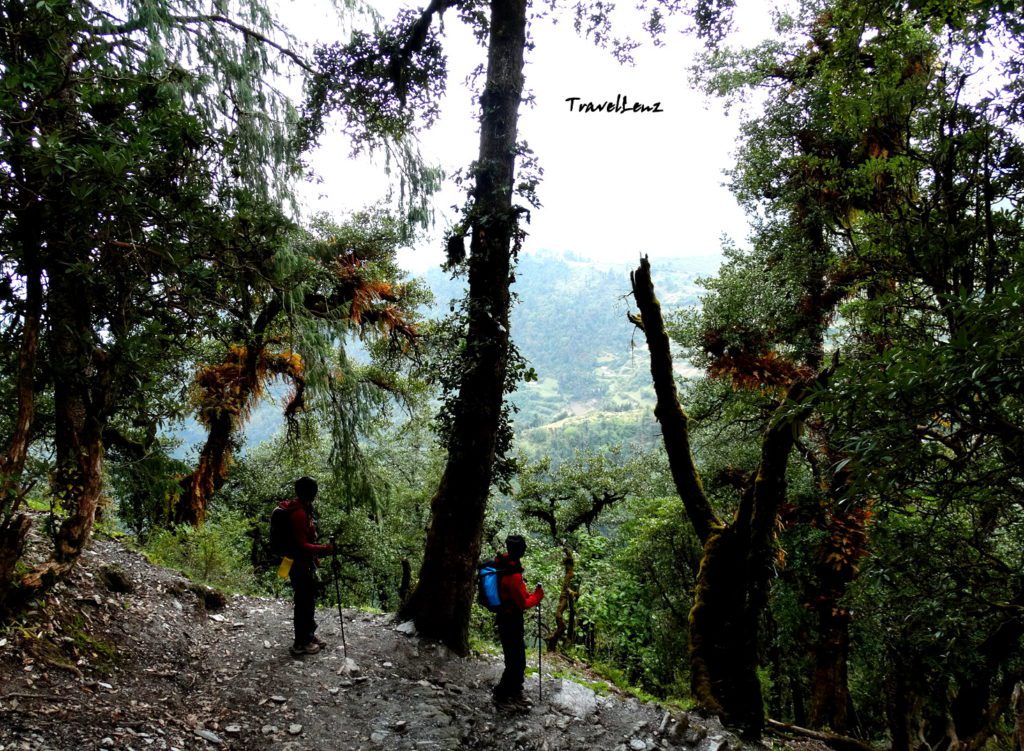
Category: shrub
[216,553]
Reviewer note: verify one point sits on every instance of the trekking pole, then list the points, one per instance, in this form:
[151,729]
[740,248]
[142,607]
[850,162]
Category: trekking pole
[336,570]
[540,663]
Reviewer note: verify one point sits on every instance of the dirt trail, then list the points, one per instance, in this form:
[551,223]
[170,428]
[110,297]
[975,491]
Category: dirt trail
[153,668]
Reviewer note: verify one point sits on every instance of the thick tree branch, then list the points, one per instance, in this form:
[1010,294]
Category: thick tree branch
[597,505]
[414,42]
[673,419]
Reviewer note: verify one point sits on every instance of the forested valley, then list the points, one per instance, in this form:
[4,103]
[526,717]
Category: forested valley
[783,487]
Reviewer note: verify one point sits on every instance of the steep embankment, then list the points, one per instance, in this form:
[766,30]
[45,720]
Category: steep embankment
[128,655]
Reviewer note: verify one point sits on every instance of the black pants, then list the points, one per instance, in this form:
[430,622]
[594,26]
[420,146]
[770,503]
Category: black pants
[513,647]
[303,578]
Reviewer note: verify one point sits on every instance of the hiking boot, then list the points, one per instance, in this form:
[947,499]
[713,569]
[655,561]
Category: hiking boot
[515,703]
[318,642]
[305,649]
[521,701]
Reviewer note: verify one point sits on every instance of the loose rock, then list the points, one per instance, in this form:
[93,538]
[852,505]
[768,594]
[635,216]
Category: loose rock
[694,735]
[575,700]
[718,743]
[206,735]
[349,667]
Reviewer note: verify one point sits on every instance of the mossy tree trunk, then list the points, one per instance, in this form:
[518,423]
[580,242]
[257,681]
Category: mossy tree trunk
[233,394]
[732,582]
[82,369]
[441,601]
[83,393]
[209,474]
[229,390]
[564,633]
[836,564]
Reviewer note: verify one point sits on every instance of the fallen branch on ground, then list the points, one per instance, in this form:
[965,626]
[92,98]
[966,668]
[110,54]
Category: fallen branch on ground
[836,741]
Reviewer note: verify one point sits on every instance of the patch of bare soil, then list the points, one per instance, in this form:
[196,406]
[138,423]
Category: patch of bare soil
[127,655]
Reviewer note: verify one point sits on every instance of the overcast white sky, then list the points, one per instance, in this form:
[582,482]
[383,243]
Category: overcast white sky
[615,185]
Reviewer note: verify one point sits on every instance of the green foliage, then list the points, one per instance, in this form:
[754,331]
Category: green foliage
[375,531]
[386,85]
[628,603]
[382,82]
[215,554]
[129,134]
[876,178]
[145,490]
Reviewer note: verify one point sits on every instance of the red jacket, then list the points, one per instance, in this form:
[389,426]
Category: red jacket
[304,531]
[512,588]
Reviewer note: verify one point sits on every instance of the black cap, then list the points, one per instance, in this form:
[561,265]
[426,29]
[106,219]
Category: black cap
[305,489]
[515,545]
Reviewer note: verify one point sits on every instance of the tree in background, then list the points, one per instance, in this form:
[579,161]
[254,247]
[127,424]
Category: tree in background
[441,600]
[877,166]
[291,301]
[566,503]
[732,583]
[119,165]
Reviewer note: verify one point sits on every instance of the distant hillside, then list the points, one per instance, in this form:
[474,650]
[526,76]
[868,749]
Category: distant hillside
[569,321]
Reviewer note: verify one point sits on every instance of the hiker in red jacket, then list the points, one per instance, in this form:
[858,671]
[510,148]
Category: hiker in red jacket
[514,600]
[304,554]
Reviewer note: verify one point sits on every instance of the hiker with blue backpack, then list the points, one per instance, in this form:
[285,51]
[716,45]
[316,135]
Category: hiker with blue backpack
[512,601]
[293,535]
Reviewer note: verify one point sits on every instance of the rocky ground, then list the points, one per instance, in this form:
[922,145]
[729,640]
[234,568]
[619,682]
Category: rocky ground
[127,655]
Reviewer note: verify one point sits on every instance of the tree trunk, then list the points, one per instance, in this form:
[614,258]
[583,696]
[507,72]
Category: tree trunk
[732,582]
[723,637]
[440,604]
[836,565]
[232,386]
[80,370]
[1017,705]
[81,398]
[669,412]
[209,474]
[12,463]
[985,692]
[830,693]
[406,582]
[796,689]
[902,706]
[561,632]
[14,527]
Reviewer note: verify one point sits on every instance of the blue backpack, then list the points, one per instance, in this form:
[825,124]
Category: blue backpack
[488,578]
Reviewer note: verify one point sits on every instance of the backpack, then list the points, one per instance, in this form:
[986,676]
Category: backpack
[281,532]
[487,578]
